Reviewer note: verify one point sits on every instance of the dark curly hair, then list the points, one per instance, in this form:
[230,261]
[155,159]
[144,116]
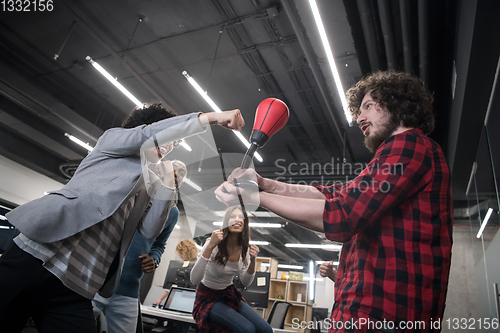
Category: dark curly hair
[146,116]
[405,97]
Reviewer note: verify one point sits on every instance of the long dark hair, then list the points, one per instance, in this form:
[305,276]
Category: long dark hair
[405,97]
[222,255]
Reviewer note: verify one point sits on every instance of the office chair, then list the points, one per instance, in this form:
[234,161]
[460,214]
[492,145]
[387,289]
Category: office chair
[318,315]
[278,313]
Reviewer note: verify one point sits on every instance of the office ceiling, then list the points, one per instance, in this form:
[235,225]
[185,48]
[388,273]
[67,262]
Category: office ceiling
[240,52]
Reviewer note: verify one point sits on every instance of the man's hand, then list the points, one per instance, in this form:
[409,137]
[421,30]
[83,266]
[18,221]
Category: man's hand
[326,270]
[227,193]
[228,119]
[253,250]
[147,264]
[165,172]
[244,174]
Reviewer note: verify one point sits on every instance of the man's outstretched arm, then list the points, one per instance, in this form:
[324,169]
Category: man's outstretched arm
[306,212]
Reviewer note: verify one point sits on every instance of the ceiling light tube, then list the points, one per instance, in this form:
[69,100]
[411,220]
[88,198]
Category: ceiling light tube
[264,225]
[319,262]
[311,281]
[331,60]
[315,246]
[483,225]
[259,242]
[255,224]
[177,226]
[192,184]
[3,218]
[290,266]
[214,106]
[185,145]
[266,264]
[5,207]
[115,82]
[79,142]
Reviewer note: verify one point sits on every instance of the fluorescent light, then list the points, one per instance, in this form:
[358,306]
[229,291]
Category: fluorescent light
[115,82]
[486,218]
[247,144]
[3,218]
[177,226]
[266,264]
[319,262]
[5,207]
[217,109]
[255,224]
[4,227]
[259,242]
[185,145]
[192,184]
[315,246]
[256,214]
[290,266]
[80,142]
[264,225]
[331,60]
[311,281]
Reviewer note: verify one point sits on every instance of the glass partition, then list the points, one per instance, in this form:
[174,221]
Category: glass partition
[482,197]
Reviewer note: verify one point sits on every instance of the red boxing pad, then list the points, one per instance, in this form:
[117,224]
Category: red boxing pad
[271,115]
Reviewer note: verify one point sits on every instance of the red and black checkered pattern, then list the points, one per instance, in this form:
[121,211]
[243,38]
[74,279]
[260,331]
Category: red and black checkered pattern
[205,298]
[395,220]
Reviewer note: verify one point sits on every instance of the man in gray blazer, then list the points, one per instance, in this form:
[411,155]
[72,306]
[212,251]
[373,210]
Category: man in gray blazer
[73,241]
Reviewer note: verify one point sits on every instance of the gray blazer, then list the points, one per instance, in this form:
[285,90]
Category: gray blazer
[108,176]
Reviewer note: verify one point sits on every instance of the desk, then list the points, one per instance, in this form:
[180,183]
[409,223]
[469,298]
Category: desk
[187,318]
[167,314]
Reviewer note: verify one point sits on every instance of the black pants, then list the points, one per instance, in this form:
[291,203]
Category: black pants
[27,290]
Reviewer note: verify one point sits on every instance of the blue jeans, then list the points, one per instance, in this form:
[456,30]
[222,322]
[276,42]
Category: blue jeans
[245,321]
[121,312]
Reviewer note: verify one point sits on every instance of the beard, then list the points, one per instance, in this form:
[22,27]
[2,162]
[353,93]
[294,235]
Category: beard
[385,130]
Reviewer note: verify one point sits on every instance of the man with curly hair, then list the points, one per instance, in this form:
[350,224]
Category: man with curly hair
[73,241]
[394,219]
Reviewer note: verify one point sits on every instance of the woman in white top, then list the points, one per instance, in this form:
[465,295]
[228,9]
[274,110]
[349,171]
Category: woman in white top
[219,306]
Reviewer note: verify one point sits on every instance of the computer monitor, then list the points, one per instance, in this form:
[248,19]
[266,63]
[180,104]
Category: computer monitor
[257,293]
[180,300]
[178,274]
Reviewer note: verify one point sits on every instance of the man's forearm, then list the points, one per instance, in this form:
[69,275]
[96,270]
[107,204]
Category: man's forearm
[289,190]
[305,212]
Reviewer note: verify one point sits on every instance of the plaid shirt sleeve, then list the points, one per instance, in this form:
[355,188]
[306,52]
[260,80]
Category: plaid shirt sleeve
[397,171]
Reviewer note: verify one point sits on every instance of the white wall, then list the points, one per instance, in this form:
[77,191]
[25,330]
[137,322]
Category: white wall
[19,184]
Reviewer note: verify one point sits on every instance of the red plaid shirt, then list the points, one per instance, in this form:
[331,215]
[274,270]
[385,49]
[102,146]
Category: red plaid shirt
[395,220]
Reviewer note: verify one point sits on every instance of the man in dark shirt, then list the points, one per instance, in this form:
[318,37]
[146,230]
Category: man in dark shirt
[394,219]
